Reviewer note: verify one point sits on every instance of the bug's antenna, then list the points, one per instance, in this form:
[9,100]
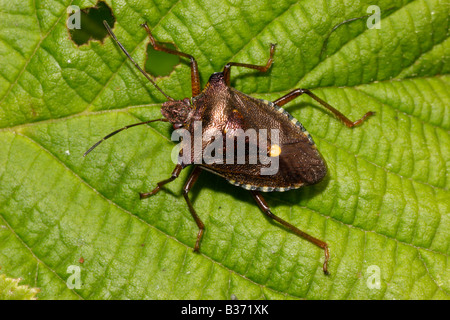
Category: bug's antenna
[117,131]
[325,42]
[135,64]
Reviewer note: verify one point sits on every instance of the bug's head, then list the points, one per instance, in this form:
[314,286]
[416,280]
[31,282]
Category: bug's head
[177,112]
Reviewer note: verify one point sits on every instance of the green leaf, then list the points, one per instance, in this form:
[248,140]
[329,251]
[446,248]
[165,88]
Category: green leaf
[10,290]
[383,208]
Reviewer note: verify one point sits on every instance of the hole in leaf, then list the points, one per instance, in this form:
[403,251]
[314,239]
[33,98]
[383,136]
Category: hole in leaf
[90,23]
[158,63]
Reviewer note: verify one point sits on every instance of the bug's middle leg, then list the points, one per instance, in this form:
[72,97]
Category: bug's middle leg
[195,76]
[298,92]
[265,208]
[227,68]
[187,187]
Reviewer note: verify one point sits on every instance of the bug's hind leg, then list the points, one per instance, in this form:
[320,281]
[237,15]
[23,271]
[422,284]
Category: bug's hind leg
[175,174]
[226,69]
[265,208]
[187,187]
[298,92]
[195,76]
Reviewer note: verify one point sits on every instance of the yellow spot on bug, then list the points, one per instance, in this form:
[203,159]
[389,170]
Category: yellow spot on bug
[237,114]
[275,150]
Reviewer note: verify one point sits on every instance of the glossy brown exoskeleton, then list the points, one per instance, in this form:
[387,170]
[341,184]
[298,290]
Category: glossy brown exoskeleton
[223,109]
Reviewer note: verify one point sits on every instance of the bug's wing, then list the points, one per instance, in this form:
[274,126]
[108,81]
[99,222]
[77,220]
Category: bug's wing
[298,162]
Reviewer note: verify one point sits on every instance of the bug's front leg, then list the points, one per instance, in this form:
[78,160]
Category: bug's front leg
[265,208]
[175,174]
[195,75]
[298,92]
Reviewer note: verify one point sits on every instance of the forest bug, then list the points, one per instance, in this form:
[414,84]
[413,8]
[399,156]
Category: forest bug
[222,108]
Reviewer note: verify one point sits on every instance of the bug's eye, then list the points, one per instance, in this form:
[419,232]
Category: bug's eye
[187,101]
[177,125]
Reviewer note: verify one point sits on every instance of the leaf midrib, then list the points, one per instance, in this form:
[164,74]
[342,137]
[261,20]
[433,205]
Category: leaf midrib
[109,201]
[126,110]
[168,236]
[269,196]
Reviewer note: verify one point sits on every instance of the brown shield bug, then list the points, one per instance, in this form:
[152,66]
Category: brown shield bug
[223,109]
